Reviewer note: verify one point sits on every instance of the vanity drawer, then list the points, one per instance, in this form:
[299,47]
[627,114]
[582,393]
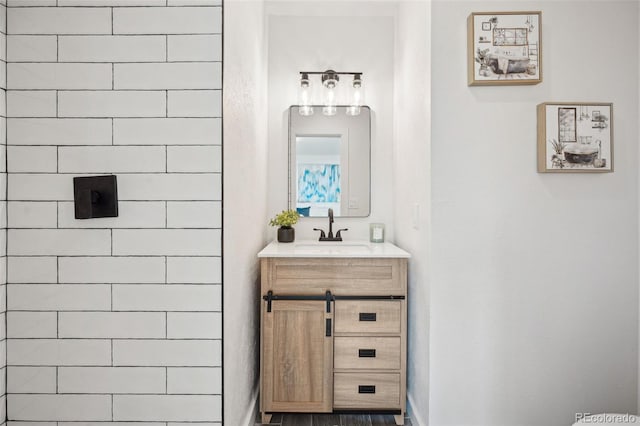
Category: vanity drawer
[367,316]
[367,353]
[366,390]
[341,276]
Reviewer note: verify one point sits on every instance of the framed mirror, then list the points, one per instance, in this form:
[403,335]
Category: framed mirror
[330,163]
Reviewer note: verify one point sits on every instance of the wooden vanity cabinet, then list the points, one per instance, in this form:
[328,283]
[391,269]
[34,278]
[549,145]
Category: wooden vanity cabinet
[343,352]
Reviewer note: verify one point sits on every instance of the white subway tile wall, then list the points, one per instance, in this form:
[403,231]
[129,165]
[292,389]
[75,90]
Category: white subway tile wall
[113,321]
[168,131]
[32,75]
[53,131]
[112,49]
[28,48]
[112,103]
[32,103]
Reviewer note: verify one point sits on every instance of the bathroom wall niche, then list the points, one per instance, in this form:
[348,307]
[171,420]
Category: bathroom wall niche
[330,163]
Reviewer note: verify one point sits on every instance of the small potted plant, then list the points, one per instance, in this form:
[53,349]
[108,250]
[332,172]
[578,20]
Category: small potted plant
[285,220]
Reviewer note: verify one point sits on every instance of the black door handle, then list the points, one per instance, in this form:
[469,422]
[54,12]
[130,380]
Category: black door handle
[366,353]
[367,316]
[366,389]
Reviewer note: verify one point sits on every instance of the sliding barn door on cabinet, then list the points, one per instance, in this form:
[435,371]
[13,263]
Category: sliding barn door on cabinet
[297,363]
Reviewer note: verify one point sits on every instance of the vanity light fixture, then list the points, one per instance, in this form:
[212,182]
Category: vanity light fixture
[329,80]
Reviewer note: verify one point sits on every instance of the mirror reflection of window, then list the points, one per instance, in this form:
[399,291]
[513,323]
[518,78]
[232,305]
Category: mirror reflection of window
[318,184]
[330,163]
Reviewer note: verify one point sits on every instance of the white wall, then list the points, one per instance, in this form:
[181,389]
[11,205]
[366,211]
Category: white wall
[245,199]
[534,281]
[344,36]
[115,319]
[412,170]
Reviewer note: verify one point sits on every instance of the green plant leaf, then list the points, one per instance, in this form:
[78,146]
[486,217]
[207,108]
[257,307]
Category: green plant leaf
[285,218]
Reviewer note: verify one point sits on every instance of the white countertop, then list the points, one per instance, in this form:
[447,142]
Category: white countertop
[314,248]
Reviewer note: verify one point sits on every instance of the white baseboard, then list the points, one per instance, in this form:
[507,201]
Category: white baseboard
[417,419]
[250,418]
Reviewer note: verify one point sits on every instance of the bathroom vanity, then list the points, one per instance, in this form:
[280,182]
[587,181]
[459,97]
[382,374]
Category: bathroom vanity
[333,328]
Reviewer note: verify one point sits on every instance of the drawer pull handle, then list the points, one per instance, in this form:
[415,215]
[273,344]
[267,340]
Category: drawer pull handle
[366,353]
[366,389]
[367,316]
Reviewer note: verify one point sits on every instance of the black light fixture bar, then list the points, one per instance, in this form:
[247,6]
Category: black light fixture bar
[331,72]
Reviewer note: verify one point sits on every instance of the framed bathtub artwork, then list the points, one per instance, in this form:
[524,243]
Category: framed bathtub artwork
[504,48]
[575,137]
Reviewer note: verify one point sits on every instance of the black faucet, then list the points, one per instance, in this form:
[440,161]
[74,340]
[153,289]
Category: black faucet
[330,237]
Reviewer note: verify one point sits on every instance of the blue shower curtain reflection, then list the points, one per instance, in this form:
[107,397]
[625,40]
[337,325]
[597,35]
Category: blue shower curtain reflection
[318,183]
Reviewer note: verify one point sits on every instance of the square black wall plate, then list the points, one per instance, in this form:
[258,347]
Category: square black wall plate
[95,196]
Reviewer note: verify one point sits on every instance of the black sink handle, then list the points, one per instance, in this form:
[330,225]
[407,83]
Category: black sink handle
[322,234]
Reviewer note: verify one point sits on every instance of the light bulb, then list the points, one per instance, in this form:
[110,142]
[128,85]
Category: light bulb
[356,102]
[305,107]
[329,81]
[329,107]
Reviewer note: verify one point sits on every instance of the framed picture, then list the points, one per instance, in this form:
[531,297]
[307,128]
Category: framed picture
[575,137]
[504,48]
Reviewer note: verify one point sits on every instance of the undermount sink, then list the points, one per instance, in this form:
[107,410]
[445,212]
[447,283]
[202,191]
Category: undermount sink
[314,248]
[333,248]
[332,245]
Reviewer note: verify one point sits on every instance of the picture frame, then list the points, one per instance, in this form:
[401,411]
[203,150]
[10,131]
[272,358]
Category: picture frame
[575,137]
[509,52]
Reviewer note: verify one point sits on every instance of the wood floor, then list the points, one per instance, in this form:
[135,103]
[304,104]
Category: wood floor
[332,420]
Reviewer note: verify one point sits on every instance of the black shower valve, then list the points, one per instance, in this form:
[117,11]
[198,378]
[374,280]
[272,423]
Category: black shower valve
[95,196]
